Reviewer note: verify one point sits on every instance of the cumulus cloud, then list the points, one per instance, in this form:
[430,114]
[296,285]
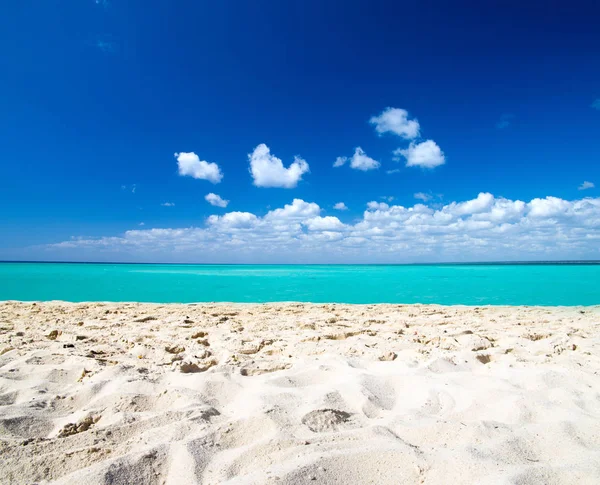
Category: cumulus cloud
[297,210]
[339,161]
[168,204]
[340,206]
[374,205]
[586,185]
[268,171]
[360,161]
[395,120]
[548,208]
[189,164]
[483,228]
[426,154]
[216,200]
[328,223]
[233,220]
[482,203]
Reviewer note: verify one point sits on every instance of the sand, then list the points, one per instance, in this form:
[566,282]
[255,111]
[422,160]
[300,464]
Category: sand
[97,393]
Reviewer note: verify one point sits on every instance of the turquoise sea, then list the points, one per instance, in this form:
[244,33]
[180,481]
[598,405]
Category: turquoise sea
[466,284]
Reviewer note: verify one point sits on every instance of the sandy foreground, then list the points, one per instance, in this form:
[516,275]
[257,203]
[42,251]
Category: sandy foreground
[291,393]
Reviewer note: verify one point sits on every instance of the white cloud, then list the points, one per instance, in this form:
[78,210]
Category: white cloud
[423,196]
[297,210]
[339,161]
[268,171]
[373,205]
[190,165]
[214,199]
[360,161]
[233,220]
[328,223]
[395,170]
[340,206]
[426,154]
[482,229]
[395,120]
[596,104]
[168,204]
[549,207]
[586,185]
[482,203]
[142,224]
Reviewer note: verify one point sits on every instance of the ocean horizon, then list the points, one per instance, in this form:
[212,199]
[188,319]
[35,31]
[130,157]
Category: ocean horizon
[557,283]
[440,263]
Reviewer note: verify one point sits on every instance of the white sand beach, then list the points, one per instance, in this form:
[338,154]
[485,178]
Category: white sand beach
[131,393]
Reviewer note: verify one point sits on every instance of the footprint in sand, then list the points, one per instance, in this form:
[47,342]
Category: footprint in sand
[381,397]
[438,404]
[326,420]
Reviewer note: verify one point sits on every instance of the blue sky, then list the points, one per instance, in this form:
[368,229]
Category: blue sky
[487,98]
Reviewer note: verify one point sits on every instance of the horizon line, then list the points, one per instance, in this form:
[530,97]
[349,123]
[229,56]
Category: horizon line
[445,263]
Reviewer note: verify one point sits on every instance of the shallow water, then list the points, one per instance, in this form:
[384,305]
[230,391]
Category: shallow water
[477,284]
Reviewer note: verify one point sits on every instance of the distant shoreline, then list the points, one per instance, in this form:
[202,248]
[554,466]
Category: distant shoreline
[474,263]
